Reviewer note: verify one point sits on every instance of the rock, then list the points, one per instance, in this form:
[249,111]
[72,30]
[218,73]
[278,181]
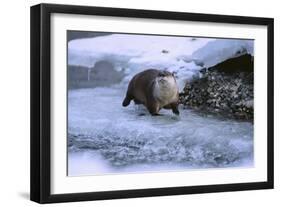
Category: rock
[219,91]
[243,63]
[102,74]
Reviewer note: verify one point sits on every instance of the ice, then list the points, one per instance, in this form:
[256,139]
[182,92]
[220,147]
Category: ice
[117,139]
[86,163]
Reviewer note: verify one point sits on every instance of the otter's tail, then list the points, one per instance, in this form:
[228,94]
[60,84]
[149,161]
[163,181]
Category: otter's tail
[126,101]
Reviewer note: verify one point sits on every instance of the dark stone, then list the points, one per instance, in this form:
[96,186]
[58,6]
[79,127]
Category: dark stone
[243,63]
[223,92]
[165,51]
[102,74]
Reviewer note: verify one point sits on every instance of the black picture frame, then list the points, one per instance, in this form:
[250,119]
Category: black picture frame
[40,184]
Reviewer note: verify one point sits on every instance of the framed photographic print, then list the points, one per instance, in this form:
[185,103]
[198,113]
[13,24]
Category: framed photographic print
[133,103]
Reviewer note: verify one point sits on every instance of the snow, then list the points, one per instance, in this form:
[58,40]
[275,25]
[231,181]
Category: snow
[134,53]
[134,49]
[222,49]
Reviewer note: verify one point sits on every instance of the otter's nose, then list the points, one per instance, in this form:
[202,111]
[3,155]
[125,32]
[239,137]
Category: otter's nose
[162,80]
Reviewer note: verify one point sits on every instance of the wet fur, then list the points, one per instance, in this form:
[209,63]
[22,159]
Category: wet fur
[155,89]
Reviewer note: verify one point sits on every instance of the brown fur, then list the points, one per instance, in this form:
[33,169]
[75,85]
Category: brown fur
[145,88]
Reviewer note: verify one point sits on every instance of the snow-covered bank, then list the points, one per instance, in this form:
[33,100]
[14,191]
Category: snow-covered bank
[148,50]
[184,56]
[222,49]
[134,53]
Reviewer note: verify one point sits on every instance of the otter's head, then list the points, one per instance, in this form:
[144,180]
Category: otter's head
[165,78]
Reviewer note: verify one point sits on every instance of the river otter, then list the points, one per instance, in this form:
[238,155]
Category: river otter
[155,89]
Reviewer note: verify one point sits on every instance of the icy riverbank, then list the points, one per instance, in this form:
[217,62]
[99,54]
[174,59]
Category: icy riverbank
[119,139]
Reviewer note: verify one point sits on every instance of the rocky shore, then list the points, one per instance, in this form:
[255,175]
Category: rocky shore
[225,89]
